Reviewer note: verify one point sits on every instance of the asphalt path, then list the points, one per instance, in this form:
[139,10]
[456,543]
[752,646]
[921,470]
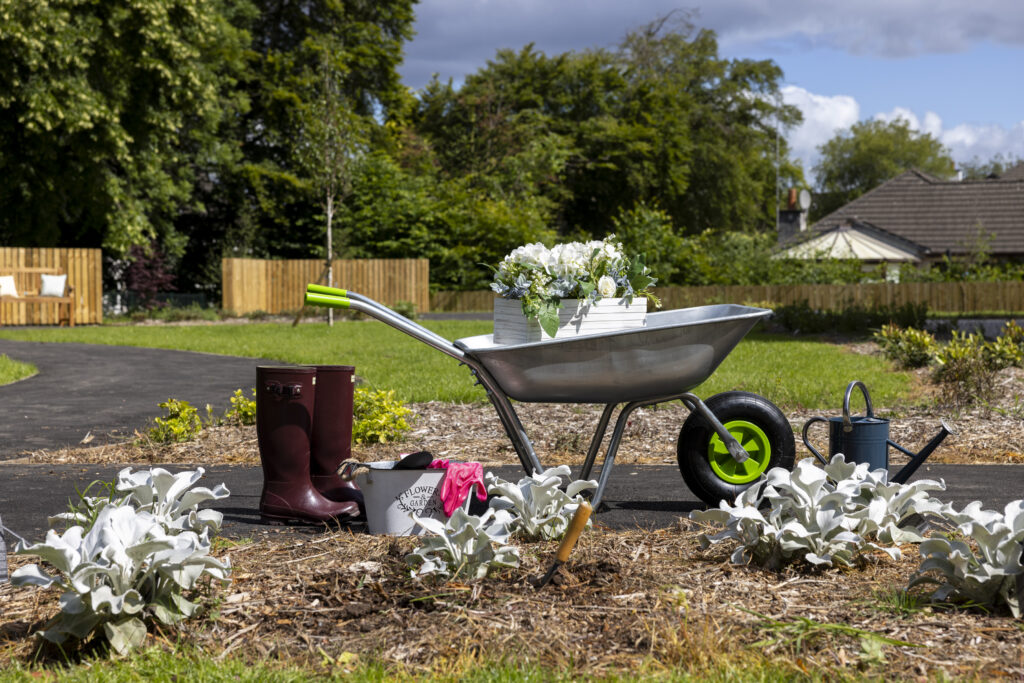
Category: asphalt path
[107,392]
[638,496]
[111,391]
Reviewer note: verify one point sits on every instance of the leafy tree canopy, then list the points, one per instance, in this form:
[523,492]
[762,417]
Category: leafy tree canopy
[105,108]
[868,154]
[662,118]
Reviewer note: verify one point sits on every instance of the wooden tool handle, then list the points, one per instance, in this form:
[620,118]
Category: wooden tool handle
[576,526]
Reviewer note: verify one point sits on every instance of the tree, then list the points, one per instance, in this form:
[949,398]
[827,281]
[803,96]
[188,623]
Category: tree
[869,153]
[106,111]
[330,148]
[662,119]
[976,169]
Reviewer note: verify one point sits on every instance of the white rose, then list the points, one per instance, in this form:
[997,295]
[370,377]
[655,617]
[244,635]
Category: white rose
[606,286]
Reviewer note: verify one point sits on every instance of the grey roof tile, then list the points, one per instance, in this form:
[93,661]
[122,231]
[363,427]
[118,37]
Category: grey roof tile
[943,215]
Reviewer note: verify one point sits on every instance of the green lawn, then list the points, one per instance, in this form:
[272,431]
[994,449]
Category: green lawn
[12,370]
[794,373]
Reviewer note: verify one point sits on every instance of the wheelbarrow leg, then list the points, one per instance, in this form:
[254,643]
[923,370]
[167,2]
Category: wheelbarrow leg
[613,445]
[509,420]
[595,441]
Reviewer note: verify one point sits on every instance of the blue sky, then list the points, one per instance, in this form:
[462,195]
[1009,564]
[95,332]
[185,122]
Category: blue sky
[952,68]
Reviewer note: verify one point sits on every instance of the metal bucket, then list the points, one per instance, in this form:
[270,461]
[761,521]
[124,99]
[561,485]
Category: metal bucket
[393,496]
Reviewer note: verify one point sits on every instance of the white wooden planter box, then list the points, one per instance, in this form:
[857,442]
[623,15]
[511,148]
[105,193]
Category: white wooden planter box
[575,319]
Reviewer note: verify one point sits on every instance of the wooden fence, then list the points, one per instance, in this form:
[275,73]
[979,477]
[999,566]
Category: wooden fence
[945,297]
[278,286]
[84,268]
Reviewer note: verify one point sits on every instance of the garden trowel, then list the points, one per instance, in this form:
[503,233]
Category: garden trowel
[572,534]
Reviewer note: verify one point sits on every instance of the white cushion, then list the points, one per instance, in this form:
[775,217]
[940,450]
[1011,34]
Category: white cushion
[7,287]
[53,285]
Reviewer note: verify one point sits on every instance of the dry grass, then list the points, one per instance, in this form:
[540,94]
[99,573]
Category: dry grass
[626,600]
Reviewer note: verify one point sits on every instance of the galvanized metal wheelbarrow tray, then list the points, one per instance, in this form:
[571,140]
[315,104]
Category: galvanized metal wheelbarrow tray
[673,353]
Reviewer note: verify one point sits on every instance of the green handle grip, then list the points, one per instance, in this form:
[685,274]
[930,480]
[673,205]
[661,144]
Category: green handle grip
[320,289]
[314,299]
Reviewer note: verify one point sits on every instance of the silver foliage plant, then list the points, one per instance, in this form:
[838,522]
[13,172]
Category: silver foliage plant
[540,509]
[992,575]
[824,516]
[172,498]
[131,557]
[465,546]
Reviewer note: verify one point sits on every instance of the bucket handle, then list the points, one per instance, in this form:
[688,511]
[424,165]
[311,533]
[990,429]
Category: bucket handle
[847,423]
[807,443]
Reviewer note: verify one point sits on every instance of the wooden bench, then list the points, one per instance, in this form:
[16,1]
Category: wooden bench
[28,282]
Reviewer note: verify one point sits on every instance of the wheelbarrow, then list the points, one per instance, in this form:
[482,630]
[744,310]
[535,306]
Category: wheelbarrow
[724,445]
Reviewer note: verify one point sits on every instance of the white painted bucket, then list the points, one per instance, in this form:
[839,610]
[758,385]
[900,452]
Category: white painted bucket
[392,496]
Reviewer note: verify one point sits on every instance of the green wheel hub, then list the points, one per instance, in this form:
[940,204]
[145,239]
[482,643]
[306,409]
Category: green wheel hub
[754,441]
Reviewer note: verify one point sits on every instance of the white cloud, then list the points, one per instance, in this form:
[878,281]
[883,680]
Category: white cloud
[824,116]
[966,141]
[873,27]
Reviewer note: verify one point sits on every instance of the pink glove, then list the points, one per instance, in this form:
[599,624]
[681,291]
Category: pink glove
[459,480]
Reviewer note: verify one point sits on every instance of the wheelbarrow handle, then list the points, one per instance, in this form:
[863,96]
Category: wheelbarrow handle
[318,295]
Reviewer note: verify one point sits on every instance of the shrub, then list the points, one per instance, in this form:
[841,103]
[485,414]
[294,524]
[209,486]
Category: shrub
[378,417]
[991,576]
[242,410]
[966,369]
[182,423]
[853,319]
[908,348]
[405,308]
[464,546]
[540,509]
[822,516]
[135,558]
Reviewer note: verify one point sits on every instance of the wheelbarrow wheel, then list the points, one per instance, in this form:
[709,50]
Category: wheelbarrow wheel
[760,427]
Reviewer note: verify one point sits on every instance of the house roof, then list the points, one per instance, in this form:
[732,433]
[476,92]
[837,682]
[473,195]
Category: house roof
[1014,173]
[855,239]
[942,215]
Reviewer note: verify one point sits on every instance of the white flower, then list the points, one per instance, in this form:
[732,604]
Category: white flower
[606,286]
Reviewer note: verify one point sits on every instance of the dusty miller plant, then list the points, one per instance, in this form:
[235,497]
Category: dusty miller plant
[465,546]
[172,498]
[991,576]
[136,557]
[540,509]
[823,516]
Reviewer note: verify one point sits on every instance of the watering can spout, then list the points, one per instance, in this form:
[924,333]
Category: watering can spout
[916,459]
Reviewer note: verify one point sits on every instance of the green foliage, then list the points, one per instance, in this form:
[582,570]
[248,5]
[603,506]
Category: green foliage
[966,369]
[378,417]
[593,133]
[908,348]
[868,154]
[405,308]
[242,410]
[107,111]
[182,423]
[853,319]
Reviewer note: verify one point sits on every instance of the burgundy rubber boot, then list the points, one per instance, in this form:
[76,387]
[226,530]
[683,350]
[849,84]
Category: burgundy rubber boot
[331,442]
[284,421]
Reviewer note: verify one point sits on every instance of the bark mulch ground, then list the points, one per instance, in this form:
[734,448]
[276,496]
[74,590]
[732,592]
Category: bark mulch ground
[626,598]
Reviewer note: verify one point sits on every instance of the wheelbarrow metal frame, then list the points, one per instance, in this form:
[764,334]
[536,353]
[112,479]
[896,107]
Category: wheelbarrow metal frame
[463,351]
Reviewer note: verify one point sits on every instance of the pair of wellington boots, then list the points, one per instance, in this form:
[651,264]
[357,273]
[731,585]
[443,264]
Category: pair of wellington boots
[304,430]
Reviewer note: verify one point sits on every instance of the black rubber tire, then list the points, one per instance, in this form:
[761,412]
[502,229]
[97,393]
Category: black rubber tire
[696,433]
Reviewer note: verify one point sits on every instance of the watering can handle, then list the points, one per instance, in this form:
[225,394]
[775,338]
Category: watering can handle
[847,424]
[807,443]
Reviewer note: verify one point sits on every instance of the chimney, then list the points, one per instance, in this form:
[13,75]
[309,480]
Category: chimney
[792,220]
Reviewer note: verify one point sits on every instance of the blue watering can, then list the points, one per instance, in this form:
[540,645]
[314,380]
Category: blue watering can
[866,439]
